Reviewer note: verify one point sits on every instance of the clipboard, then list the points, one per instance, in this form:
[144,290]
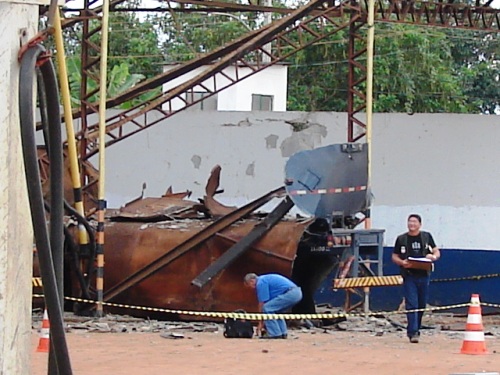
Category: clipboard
[421,263]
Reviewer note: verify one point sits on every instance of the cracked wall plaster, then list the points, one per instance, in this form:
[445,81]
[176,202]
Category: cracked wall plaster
[307,139]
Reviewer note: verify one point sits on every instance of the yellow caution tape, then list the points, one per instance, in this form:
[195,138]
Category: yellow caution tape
[490,304]
[258,316]
[476,277]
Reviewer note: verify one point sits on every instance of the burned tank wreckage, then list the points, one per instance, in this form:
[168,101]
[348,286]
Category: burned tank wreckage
[170,252]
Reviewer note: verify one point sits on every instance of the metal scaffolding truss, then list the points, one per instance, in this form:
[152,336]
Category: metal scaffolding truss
[247,55]
[297,29]
[90,61]
[356,81]
[443,14]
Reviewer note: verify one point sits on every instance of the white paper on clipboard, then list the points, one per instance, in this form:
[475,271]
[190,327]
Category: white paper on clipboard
[425,260]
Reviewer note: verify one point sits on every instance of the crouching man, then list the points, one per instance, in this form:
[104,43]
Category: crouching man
[275,294]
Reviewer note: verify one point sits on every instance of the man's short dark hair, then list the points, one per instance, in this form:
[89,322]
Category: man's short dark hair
[416,216]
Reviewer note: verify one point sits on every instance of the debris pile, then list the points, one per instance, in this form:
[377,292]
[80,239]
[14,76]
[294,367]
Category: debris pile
[378,325]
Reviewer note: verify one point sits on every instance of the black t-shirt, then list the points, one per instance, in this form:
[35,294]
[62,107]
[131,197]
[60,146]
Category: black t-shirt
[414,246]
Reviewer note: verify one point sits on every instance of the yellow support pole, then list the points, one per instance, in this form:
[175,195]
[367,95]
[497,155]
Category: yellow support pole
[68,121]
[369,94]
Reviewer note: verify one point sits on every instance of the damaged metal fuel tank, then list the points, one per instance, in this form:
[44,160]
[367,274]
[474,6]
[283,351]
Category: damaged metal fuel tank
[330,181]
[174,253]
[132,246]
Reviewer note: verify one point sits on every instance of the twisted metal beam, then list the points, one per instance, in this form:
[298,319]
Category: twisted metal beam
[244,52]
[244,56]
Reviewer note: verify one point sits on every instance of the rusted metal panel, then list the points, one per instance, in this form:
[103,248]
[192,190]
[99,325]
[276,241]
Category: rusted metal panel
[131,246]
[156,209]
[215,208]
[185,246]
[244,244]
[155,247]
[172,206]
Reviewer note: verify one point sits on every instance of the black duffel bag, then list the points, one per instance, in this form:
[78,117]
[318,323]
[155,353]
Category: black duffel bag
[238,328]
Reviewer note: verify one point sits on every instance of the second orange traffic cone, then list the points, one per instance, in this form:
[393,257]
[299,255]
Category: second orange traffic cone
[474,331]
[44,342]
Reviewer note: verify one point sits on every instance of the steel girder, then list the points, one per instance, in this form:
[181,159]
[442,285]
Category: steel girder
[90,64]
[356,81]
[441,14]
[244,52]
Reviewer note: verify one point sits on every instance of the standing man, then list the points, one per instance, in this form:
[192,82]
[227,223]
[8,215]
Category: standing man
[275,294]
[416,244]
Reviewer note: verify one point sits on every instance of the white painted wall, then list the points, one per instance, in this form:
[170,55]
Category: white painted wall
[270,81]
[443,166]
[16,238]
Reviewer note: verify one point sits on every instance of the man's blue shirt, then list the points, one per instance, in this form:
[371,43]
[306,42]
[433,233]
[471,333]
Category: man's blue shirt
[272,285]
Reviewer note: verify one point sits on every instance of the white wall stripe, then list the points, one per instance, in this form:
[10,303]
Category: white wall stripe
[436,219]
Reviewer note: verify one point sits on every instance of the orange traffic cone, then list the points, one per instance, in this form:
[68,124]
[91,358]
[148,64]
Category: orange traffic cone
[474,331]
[44,342]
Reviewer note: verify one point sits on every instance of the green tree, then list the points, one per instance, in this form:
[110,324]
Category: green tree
[413,71]
[476,62]
[131,40]
[317,77]
[119,80]
[416,69]
[188,35]
[134,42]
[134,54]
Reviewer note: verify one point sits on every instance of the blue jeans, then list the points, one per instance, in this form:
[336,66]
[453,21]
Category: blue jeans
[277,327]
[416,290]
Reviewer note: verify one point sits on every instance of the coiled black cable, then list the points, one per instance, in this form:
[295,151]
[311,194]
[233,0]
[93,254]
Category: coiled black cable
[50,251]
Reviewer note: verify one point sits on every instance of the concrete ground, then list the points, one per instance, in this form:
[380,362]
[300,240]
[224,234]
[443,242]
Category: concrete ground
[316,351]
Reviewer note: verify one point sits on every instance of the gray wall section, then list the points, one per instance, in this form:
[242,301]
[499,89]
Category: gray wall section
[443,159]
[444,166]
[252,149]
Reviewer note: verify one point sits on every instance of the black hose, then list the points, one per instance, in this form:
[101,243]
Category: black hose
[42,98]
[44,247]
[56,174]
[73,252]
[73,249]
[49,103]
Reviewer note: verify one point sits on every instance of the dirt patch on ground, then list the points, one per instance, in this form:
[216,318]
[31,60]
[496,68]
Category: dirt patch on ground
[304,352]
